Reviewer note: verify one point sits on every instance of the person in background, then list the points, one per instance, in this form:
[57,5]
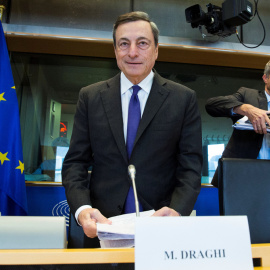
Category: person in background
[139,118]
[255,104]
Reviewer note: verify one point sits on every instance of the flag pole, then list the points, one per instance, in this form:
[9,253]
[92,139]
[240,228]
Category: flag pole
[2,8]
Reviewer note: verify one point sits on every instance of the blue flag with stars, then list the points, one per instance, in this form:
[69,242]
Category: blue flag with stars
[13,201]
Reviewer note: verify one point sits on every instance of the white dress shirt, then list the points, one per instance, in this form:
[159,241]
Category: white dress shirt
[265,149]
[126,93]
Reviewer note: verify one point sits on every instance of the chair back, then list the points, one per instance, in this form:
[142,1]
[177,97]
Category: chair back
[244,189]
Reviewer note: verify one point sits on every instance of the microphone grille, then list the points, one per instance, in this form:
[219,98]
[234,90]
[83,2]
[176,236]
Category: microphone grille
[131,169]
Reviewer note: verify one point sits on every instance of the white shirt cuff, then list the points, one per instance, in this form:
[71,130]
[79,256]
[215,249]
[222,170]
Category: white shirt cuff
[232,112]
[79,210]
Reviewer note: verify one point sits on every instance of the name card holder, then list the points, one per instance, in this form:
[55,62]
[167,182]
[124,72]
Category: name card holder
[210,243]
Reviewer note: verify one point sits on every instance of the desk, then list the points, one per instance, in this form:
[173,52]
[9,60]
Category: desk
[66,256]
[261,251]
[97,256]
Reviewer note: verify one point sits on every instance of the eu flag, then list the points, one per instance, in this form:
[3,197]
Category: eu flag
[13,199]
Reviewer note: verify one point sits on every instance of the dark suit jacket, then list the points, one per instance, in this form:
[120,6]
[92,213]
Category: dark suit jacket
[167,150]
[242,144]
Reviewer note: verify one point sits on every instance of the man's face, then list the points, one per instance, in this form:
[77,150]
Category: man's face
[135,50]
[266,80]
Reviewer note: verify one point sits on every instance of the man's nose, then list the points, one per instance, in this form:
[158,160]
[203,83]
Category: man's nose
[133,51]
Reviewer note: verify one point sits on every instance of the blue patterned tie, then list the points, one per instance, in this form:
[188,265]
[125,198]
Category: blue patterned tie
[134,117]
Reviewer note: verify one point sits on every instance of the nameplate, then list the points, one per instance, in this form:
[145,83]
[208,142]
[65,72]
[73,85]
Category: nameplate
[32,232]
[220,242]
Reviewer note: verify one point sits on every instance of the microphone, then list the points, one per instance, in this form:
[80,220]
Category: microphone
[132,172]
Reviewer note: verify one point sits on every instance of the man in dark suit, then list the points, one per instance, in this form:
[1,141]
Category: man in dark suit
[167,147]
[255,105]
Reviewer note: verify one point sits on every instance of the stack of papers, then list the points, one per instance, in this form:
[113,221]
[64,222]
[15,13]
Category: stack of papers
[245,124]
[120,234]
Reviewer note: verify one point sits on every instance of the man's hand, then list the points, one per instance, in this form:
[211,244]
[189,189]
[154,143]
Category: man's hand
[166,212]
[88,219]
[256,116]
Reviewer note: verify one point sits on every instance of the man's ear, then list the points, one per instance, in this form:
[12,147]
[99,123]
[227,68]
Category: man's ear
[264,77]
[156,51]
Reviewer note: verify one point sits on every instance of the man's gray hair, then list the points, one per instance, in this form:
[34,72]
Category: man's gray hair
[267,69]
[132,17]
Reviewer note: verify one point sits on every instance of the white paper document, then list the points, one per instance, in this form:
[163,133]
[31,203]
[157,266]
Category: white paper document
[245,124]
[121,232]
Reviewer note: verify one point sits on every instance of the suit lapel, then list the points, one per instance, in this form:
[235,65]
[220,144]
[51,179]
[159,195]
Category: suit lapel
[262,101]
[111,98]
[157,96]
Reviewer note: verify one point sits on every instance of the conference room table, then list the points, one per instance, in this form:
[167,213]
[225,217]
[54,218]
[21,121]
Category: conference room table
[260,252]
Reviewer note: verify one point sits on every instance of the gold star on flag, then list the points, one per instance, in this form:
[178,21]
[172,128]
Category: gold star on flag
[3,157]
[21,167]
[2,97]
[13,87]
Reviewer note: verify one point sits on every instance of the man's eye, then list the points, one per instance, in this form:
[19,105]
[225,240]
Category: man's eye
[143,45]
[123,45]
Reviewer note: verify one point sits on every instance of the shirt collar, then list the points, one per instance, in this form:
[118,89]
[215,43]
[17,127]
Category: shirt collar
[267,96]
[145,84]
